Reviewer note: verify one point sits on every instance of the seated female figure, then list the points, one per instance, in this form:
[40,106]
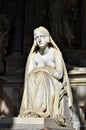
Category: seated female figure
[46,80]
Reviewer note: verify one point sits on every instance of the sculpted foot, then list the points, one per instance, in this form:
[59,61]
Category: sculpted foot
[60,120]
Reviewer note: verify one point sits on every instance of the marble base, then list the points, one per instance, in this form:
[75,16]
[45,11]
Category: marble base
[17,123]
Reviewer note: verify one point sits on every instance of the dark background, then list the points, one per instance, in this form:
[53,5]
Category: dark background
[65,20]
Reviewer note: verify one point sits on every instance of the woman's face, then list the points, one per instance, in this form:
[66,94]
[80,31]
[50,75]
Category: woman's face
[41,39]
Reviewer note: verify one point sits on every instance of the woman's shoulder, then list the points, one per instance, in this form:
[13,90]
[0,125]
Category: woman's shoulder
[32,55]
[55,51]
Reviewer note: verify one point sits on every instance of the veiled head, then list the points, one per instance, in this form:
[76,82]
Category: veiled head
[42,30]
[41,37]
[45,32]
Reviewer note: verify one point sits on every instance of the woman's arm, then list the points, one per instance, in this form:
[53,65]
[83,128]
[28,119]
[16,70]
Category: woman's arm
[59,65]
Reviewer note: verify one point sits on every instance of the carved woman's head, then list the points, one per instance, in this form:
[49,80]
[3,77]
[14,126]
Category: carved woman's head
[41,37]
[41,34]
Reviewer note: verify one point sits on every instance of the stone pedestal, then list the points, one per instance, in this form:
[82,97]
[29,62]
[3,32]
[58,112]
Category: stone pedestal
[17,123]
[13,87]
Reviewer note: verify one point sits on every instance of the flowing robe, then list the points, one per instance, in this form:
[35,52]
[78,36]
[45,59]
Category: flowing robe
[43,93]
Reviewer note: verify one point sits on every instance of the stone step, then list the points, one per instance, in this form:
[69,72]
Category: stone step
[17,123]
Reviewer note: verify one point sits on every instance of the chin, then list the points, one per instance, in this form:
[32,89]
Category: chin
[42,46]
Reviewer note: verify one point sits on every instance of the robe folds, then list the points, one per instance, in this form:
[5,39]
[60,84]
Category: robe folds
[43,94]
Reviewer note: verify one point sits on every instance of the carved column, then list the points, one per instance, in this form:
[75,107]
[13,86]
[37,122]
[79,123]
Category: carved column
[83,24]
[15,63]
[18,27]
[16,59]
[29,25]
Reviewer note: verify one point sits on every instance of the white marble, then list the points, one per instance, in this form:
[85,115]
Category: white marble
[46,80]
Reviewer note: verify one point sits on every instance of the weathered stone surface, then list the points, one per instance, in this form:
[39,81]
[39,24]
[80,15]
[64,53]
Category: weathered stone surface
[17,123]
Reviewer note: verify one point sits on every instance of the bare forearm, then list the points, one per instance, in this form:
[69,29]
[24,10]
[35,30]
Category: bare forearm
[57,75]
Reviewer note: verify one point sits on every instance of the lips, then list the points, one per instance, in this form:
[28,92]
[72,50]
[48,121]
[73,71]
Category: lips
[40,42]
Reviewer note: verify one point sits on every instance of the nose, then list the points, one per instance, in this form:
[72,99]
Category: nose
[39,39]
